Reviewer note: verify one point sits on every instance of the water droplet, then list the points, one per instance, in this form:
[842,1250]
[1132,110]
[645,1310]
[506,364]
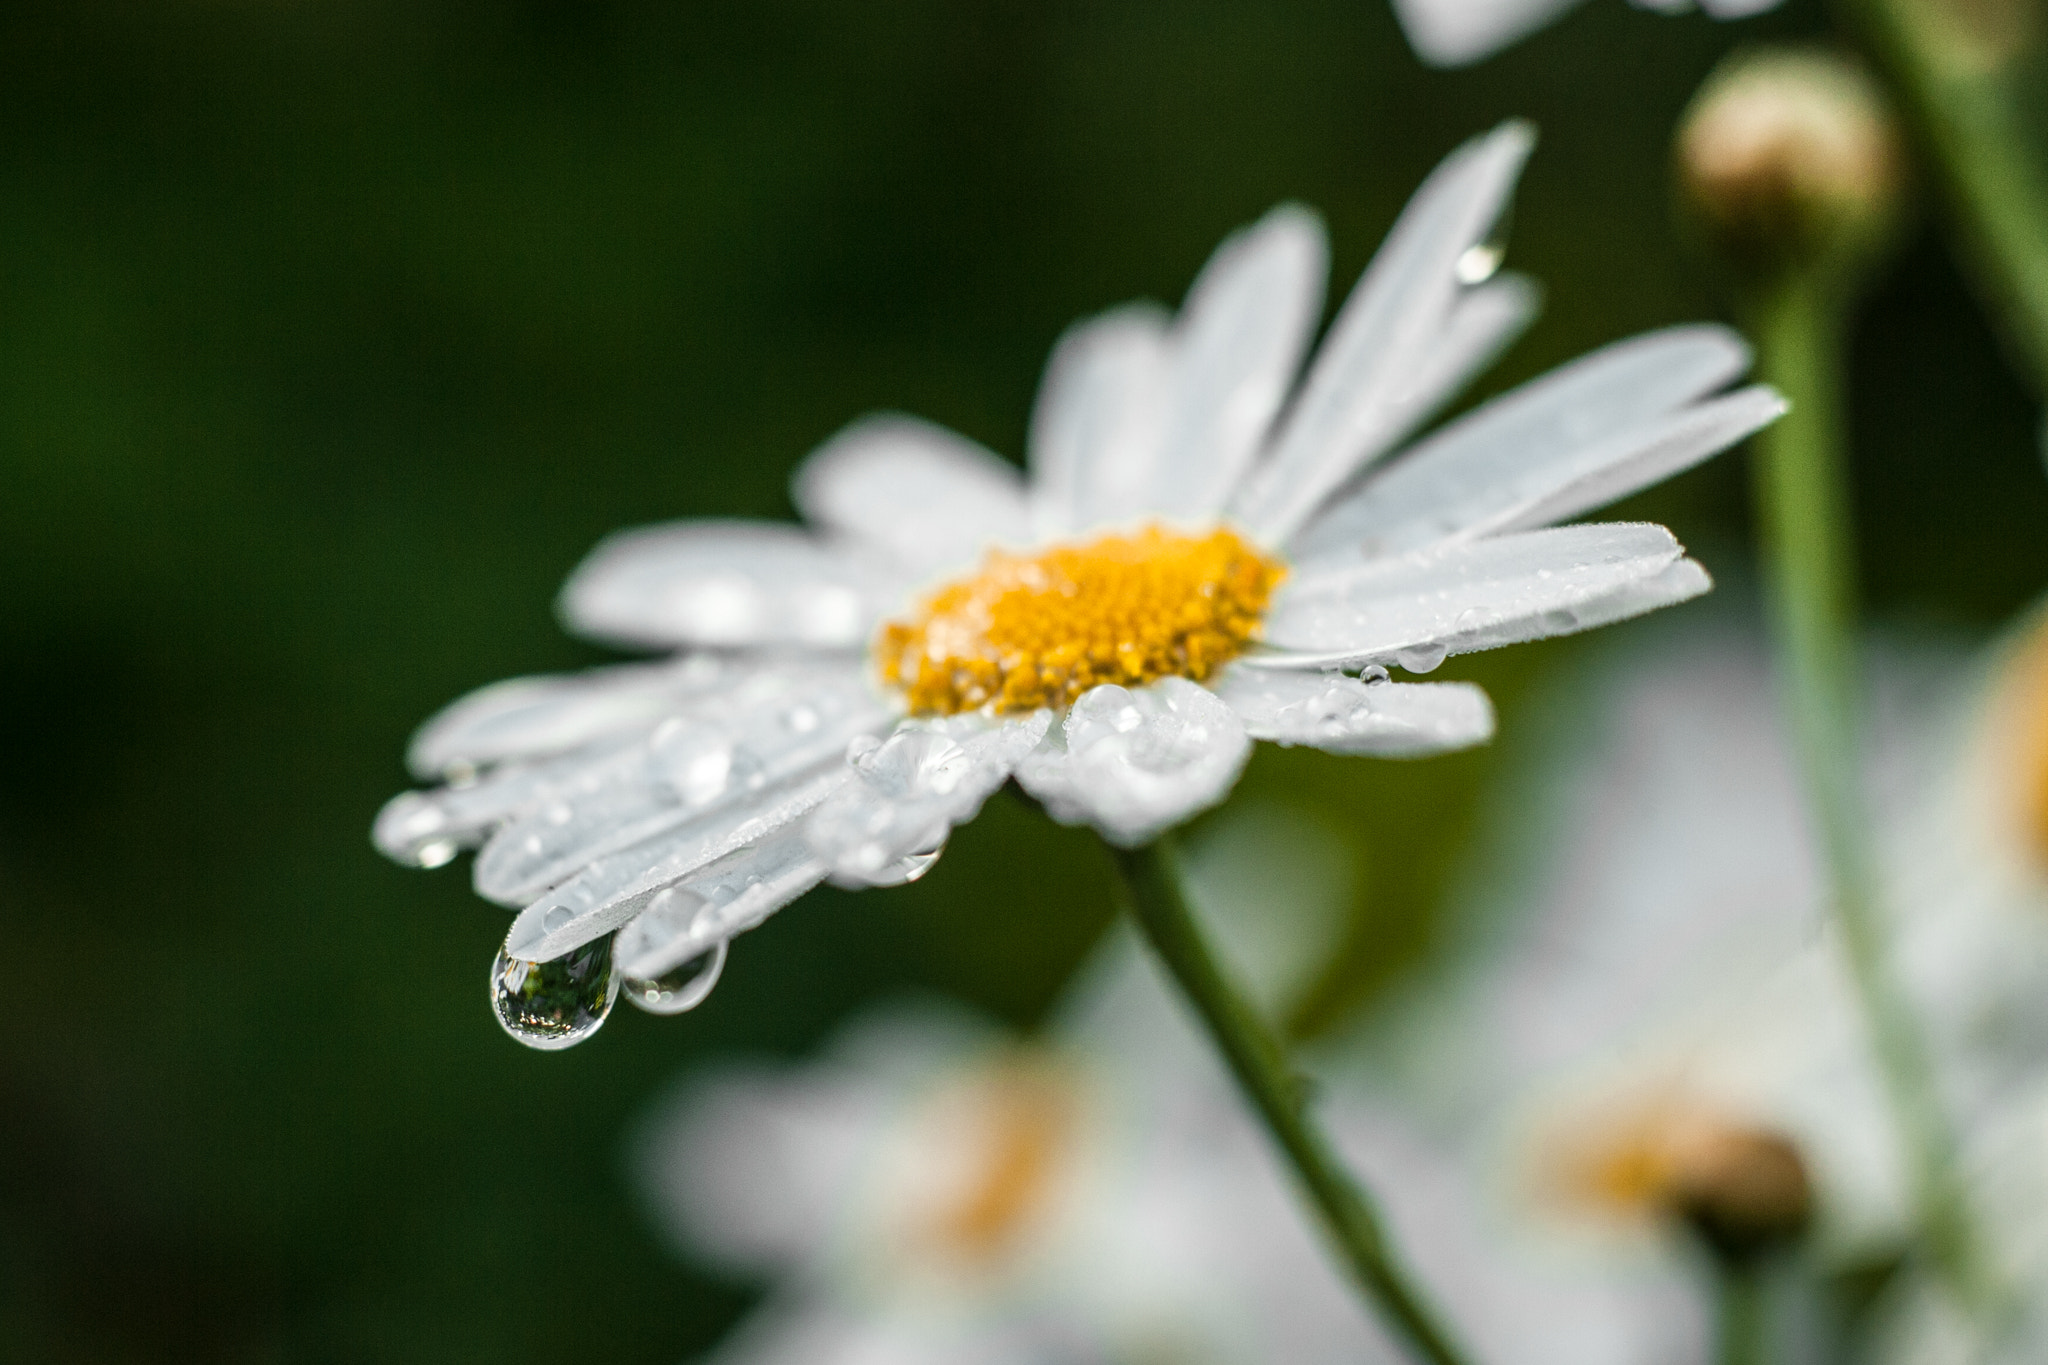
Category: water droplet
[438,853]
[556,917]
[696,761]
[1373,673]
[1472,618]
[908,868]
[553,1005]
[684,987]
[1422,658]
[1478,263]
[801,720]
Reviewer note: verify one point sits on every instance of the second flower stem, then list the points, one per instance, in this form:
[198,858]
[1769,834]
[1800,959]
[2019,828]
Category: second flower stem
[1279,1096]
[1802,505]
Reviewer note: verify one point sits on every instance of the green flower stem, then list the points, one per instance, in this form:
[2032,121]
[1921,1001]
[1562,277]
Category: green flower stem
[1739,1326]
[1278,1095]
[1967,105]
[1802,505]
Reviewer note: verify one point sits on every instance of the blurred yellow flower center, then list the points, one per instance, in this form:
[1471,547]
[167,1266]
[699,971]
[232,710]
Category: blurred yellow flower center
[1026,631]
[1731,1179]
[1014,1122]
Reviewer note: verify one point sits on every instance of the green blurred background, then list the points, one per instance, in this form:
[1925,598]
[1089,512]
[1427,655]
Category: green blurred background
[332,334]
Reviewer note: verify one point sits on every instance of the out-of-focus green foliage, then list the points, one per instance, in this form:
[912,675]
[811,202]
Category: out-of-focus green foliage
[332,334]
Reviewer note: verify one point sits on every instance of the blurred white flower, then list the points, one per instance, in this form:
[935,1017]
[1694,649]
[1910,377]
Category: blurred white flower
[1982,945]
[1454,33]
[1210,550]
[934,1189]
[1649,1024]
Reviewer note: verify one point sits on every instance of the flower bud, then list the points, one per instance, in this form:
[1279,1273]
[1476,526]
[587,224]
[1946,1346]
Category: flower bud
[1791,160]
[1744,1190]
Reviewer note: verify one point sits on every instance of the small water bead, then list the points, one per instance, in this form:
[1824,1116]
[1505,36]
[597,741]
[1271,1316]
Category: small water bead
[1373,674]
[553,1005]
[437,853]
[1478,264]
[698,762]
[683,987]
[801,720]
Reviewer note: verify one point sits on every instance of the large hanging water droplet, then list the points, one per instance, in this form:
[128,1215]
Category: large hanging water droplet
[683,987]
[553,1005]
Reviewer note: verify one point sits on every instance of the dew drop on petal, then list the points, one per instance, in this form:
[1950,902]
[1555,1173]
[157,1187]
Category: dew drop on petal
[1478,263]
[908,868]
[1422,658]
[1373,673]
[683,987]
[553,1005]
[438,853]
[556,917]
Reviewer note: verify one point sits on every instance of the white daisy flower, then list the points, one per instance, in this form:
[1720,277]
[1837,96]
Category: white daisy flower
[933,1189]
[1652,1025]
[1983,949]
[1453,33]
[1209,549]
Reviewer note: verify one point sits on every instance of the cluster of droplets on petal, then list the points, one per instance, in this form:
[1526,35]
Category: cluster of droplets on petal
[756,736]
[1134,763]
[890,823]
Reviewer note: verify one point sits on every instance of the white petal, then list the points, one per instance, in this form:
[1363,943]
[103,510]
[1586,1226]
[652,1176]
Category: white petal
[932,500]
[1236,345]
[1355,401]
[1450,33]
[427,828]
[1594,425]
[886,826]
[1651,455]
[724,584]
[696,914]
[1134,764]
[532,717]
[1415,609]
[772,728]
[1343,715]
[1483,322]
[1096,427]
[610,891]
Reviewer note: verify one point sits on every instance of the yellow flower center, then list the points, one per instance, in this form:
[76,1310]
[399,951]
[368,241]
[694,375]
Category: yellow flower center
[1026,631]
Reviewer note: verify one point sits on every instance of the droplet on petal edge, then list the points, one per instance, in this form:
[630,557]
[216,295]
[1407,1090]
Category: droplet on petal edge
[681,988]
[1422,658]
[908,868]
[553,1005]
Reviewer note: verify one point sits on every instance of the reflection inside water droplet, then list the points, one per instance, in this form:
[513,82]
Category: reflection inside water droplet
[1374,673]
[681,988]
[553,1005]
